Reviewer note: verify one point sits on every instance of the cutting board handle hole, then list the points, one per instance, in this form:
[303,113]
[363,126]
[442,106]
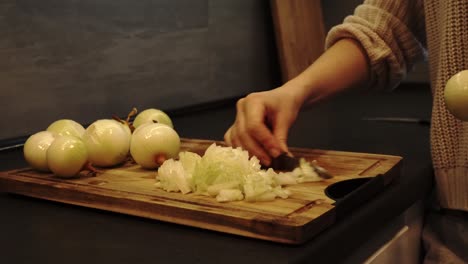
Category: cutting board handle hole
[339,190]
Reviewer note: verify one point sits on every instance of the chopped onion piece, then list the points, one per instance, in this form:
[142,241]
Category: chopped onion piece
[215,189]
[229,195]
[173,178]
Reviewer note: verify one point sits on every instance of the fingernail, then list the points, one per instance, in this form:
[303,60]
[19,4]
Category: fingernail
[266,162]
[275,152]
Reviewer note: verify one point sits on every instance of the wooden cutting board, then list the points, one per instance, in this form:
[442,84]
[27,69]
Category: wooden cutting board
[130,189]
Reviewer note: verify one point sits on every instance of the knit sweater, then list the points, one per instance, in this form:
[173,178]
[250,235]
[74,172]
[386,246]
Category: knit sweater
[397,33]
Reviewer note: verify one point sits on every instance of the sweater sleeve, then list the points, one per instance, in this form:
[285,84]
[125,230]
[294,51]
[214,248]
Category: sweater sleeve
[392,34]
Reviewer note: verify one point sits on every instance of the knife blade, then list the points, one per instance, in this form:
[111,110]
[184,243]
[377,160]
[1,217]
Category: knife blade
[284,162]
[287,162]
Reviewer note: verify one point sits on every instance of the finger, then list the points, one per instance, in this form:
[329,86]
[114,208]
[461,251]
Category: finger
[235,140]
[227,137]
[281,127]
[245,140]
[282,137]
[256,126]
[256,150]
[234,131]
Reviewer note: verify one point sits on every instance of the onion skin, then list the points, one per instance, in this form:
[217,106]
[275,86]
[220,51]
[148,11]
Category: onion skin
[151,144]
[66,127]
[67,156]
[35,150]
[152,115]
[108,142]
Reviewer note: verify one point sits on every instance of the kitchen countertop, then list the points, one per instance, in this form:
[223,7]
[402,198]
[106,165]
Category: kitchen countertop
[38,231]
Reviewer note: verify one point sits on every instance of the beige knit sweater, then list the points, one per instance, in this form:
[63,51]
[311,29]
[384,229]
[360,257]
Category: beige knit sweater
[397,33]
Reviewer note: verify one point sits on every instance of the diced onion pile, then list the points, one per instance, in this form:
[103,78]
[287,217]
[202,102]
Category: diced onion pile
[229,175]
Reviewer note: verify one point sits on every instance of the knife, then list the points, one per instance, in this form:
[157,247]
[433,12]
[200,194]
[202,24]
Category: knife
[287,162]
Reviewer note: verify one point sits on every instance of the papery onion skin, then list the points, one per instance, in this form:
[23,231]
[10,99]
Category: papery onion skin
[152,141]
[152,115]
[108,142]
[66,156]
[66,127]
[35,150]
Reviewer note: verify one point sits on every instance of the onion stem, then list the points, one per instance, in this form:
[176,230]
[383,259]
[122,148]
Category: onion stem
[127,122]
[131,114]
[92,170]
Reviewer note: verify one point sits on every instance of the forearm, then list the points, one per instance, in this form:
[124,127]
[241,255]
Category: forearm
[343,66]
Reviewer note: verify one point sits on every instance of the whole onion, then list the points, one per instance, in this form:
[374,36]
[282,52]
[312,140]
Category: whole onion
[35,149]
[66,127]
[152,115]
[153,143]
[108,142]
[67,156]
[456,95]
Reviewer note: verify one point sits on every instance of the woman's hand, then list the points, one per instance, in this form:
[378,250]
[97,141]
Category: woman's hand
[263,119]
[262,123]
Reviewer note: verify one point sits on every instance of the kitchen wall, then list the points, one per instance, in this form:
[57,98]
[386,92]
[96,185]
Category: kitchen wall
[90,59]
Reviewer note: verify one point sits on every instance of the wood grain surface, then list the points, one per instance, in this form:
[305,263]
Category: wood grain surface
[300,34]
[129,189]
